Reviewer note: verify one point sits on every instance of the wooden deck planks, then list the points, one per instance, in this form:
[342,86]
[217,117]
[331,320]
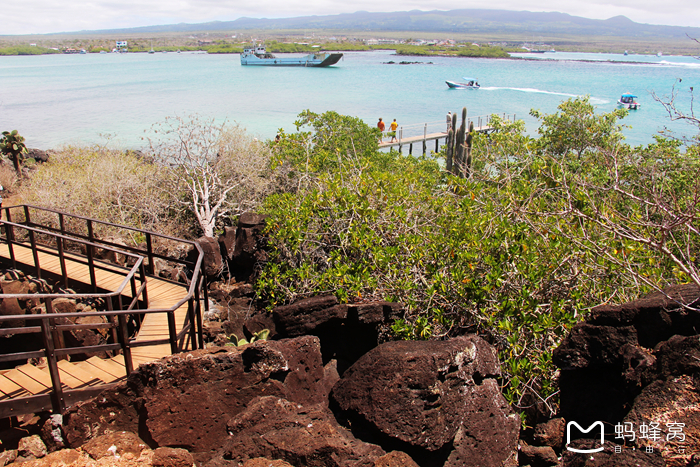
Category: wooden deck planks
[108,366]
[429,137]
[85,377]
[97,372]
[35,373]
[9,389]
[28,380]
[29,384]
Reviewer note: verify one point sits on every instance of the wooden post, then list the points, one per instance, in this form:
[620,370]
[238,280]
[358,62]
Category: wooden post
[124,341]
[149,251]
[57,401]
[90,256]
[62,224]
[56,335]
[203,278]
[134,292]
[133,288]
[62,260]
[193,323]
[200,332]
[172,333]
[110,318]
[142,272]
[468,150]
[9,235]
[32,241]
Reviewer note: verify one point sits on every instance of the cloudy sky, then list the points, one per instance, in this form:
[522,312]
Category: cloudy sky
[47,16]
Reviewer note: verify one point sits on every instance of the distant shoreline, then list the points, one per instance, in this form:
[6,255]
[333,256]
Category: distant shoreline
[398,54]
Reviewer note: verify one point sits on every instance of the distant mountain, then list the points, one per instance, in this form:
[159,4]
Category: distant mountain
[454,21]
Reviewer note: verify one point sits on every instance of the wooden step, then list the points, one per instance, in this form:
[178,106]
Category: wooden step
[71,369]
[29,380]
[40,375]
[28,383]
[97,372]
[110,366]
[9,389]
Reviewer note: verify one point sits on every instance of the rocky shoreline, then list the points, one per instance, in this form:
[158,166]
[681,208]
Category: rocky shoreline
[330,388]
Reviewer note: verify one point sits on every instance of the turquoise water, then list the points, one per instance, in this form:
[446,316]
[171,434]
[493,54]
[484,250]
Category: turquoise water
[58,99]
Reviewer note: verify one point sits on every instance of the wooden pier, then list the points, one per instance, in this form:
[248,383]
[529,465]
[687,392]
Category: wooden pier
[413,134]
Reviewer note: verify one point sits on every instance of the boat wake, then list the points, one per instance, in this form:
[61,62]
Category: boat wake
[594,100]
[680,64]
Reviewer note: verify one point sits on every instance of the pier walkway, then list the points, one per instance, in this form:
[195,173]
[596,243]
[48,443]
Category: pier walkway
[424,133]
[145,317]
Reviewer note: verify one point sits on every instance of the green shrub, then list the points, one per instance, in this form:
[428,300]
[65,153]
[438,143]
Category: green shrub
[27,50]
[508,253]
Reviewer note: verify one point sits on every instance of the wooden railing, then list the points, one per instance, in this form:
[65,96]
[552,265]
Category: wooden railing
[40,238]
[437,130]
[481,123]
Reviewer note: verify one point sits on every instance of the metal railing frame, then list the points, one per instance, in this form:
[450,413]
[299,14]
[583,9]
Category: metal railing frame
[54,347]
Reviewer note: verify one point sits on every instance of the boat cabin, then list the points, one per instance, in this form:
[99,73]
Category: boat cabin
[470,81]
[259,51]
[627,99]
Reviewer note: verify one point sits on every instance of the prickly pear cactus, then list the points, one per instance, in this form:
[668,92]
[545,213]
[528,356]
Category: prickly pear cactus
[12,145]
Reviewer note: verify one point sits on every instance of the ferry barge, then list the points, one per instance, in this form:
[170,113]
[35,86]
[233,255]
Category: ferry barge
[257,55]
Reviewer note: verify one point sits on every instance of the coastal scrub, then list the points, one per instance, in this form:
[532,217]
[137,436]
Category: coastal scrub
[500,253]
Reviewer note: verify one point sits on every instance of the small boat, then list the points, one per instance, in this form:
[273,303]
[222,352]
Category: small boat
[257,55]
[628,101]
[470,83]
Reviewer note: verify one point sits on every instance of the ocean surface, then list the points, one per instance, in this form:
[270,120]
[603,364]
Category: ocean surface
[115,98]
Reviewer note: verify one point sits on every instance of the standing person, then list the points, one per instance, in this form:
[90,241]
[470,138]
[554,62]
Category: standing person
[449,122]
[394,126]
[381,127]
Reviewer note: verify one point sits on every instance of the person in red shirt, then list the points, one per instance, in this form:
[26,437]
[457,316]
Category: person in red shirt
[381,127]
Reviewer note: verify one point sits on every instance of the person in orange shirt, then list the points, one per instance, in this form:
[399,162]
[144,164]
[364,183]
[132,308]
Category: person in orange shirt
[394,126]
[381,127]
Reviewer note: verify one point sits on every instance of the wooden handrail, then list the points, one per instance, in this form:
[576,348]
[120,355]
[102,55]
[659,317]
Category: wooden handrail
[196,269]
[48,328]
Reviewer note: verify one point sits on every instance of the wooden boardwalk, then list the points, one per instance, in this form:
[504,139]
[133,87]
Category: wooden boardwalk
[411,140]
[27,380]
[418,133]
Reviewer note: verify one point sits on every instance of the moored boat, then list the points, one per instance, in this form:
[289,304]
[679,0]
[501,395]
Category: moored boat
[470,83]
[628,101]
[257,55]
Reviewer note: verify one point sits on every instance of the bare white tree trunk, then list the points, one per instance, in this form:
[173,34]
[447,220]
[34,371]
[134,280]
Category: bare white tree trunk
[220,169]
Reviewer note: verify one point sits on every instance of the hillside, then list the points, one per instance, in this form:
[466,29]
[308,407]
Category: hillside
[455,21]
